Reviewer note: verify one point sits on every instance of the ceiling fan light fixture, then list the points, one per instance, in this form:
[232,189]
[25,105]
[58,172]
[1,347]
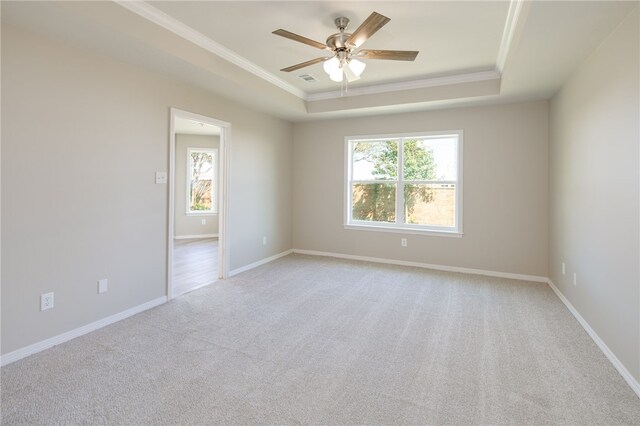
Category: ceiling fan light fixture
[336,75]
[357,67]
[331,65]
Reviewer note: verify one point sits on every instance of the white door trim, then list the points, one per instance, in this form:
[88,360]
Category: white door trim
[223,193]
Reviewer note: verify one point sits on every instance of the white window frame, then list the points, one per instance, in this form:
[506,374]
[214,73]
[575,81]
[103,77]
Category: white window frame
[399,226]
[214,184]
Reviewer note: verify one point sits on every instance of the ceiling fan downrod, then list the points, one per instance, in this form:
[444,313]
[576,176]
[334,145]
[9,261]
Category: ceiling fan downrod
[338,41]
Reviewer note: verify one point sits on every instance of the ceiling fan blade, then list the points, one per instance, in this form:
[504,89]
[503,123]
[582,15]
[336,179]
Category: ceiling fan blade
[373,23]
[300,39]
[303,64]
[393,55]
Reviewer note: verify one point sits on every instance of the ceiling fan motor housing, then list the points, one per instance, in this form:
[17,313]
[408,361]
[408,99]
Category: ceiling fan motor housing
[338,41]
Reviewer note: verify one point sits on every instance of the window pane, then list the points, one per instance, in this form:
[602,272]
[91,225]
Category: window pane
[201,183]
[375,160]
[202,165]
[374,202]
[430,158]
[430,204]
[201,195]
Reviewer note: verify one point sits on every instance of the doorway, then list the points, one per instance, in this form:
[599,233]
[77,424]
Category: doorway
[198,171]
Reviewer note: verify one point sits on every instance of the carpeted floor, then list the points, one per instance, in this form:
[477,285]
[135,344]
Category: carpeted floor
[323,341]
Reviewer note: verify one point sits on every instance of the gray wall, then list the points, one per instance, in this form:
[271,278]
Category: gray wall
[594,192]
[184,224]
[82,136]
[505,189]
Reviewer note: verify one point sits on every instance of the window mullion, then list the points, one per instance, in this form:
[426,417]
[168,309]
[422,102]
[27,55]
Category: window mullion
[355,182]
[400,188]
[431,182]
[349,172]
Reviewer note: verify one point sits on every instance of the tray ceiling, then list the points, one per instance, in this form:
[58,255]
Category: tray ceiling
[471,52]
[452,37]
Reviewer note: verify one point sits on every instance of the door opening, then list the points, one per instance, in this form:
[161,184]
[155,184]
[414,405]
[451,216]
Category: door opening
[198,184]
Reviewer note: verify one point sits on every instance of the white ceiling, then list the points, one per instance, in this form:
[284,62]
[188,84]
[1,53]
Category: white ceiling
[190,127]
[471,53]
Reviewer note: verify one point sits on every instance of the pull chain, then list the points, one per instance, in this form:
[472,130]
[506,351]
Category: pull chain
[344,87]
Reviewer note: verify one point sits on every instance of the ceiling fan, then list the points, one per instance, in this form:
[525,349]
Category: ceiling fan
[344,49]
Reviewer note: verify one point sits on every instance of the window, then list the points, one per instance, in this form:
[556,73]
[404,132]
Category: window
[201,180]
[411,183]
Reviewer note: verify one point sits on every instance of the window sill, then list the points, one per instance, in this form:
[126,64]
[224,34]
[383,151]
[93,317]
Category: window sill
[428,232]
[202,214]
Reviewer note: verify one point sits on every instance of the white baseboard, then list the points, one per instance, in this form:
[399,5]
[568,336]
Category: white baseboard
[64,337]
[521,277]
[259,263]
[626,375]
[193,237]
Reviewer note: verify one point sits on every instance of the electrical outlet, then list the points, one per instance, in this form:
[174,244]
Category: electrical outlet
[264,241]
[564,270]
[403,242]
[575,279]
[103,286]
[204,221]
[46,301]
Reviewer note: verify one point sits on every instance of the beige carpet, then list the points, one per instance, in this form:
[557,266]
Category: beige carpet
[323,341]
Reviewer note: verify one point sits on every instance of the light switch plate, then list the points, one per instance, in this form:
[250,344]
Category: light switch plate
[161,177]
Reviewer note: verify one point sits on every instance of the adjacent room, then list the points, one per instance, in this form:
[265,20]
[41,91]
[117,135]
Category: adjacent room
[317,212]
[195,187]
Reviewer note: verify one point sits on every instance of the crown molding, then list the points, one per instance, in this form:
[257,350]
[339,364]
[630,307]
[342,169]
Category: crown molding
[510,25]
[408,85]
[171,24]
[152,14]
